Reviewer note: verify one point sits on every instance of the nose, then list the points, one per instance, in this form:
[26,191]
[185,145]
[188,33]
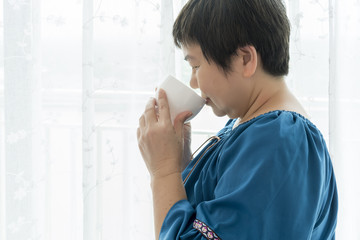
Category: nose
[193,81]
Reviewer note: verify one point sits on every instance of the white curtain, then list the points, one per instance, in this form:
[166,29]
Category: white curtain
[74,78]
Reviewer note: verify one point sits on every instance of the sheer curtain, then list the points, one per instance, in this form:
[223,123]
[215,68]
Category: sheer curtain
[75,76]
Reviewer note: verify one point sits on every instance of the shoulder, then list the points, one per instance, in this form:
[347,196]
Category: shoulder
[277,137]
[280,148]
[276,127]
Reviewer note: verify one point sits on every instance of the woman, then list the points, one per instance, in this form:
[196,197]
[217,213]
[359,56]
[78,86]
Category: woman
[267,174]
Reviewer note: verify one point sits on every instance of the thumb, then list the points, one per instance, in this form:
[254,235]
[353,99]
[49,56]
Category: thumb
[179,121]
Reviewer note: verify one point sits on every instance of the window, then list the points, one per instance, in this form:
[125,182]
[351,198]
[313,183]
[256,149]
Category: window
[75,76]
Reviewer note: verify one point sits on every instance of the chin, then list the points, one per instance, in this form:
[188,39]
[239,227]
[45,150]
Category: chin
[218,112]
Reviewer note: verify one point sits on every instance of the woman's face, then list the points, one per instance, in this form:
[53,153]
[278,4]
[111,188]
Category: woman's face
[226,94]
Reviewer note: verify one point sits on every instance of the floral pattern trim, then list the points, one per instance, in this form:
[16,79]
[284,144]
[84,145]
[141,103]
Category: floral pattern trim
[205,230]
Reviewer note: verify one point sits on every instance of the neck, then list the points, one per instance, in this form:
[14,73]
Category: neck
[264,97]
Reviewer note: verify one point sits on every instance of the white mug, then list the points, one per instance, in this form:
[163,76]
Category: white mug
[181,98]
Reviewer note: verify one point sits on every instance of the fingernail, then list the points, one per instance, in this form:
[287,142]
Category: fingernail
[161,92]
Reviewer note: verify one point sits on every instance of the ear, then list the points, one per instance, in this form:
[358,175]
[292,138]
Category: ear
[249,59]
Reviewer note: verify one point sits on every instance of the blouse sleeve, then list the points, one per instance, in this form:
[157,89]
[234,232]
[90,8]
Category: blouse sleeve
[271,180]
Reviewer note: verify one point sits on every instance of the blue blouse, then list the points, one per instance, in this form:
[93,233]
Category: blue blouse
[269,178]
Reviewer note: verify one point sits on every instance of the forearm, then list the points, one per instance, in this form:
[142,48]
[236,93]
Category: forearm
[166,192]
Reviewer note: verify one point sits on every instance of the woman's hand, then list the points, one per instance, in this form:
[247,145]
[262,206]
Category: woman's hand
[161,144]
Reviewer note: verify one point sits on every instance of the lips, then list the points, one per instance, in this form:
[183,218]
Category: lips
[207,101]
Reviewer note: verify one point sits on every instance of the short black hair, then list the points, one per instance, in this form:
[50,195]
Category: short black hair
[220,27]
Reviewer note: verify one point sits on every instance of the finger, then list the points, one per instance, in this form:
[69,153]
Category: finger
[187,130]
[179,121]
[150,112]
[187,136]
[138,132]
[142,121]
[187,125]
[163,104]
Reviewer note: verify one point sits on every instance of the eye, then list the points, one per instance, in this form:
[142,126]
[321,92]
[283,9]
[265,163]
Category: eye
[195,67]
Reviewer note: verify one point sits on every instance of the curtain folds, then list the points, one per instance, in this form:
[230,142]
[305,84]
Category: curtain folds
[90,167]
[344,105]
[75,77]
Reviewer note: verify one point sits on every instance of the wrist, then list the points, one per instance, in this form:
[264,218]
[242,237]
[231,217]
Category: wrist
[170,167]
[166,179]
